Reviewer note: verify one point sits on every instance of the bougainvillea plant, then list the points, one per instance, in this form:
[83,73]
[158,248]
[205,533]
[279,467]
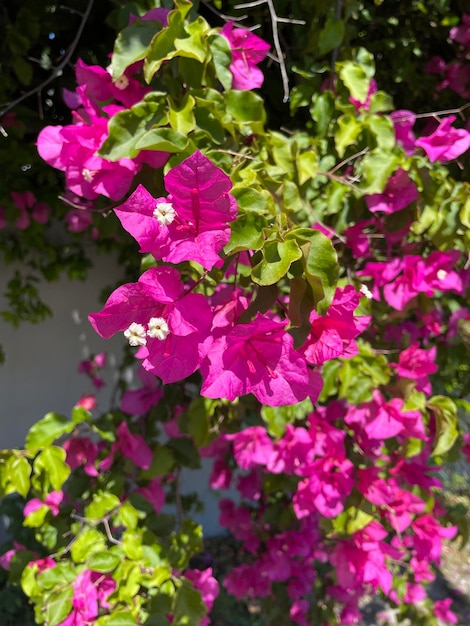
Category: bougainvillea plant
[302,291]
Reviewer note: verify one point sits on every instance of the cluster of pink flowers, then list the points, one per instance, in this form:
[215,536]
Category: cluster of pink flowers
[178,331]
[91,591]
[29,209]
[405,277]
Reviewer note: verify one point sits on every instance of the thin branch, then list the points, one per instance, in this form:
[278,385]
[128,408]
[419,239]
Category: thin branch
[279,52]
[57,70]
[223,16]
[351,158]
[275,20]
[412,115]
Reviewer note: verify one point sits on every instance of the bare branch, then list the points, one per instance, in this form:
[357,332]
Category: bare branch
[57,70]
[275,20]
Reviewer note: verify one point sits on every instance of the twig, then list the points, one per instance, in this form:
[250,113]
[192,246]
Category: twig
[275,20]
[57,70]
[412,115]
[351,158]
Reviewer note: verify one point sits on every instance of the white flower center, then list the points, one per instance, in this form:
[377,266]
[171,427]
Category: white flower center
[158,328]
[165,213]
[87,174]
[441,274]
[366,292]
[135,334]
[122,82]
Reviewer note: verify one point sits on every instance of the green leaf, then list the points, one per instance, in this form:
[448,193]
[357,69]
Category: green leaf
[101,504]
[278,417]
[47,430]
[378,166]
[163,46]
[382,128]
[128,515]
[380,102]
[348,130]
[104,562]
[196,420]
[55,577]
[120,618]
[222,57]
[181,115]
[23,70]
[356,80]
[307,166]
[88,542]
[357,520]
[247,109]
[19,471]
[126,128]
[445,412]
[246,233]
[278,256]
[185,452]
[58,606]
[331,36]
[163,462]
[193,47]
[250,200]
[322,111]
[189,608]
[51,461]
[132,45]
[162,139]
[320,263]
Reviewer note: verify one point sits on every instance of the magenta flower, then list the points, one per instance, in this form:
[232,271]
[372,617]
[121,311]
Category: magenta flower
[191,224]
[156,314]
[361,560]
[333,335]
[247,51]
[427,540]
[403,122]
[154,494]
[133,446]
[140,401]
[461,34]
[399,192]
[204,582]
[358,105]
[442,607]
[328,483]
[258,358]
[446,142]
[251,447]
[81,451]
[91,591]
[100,87]
[52,501]
[72,149]
[416,364]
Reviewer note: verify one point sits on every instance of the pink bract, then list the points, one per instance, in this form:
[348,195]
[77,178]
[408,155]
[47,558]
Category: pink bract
[72,149]
[446,142]
[399,192]
[247,51]
[258,358]
[159,293]
[201,207]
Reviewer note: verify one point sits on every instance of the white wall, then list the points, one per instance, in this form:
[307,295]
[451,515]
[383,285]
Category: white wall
[40,371]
